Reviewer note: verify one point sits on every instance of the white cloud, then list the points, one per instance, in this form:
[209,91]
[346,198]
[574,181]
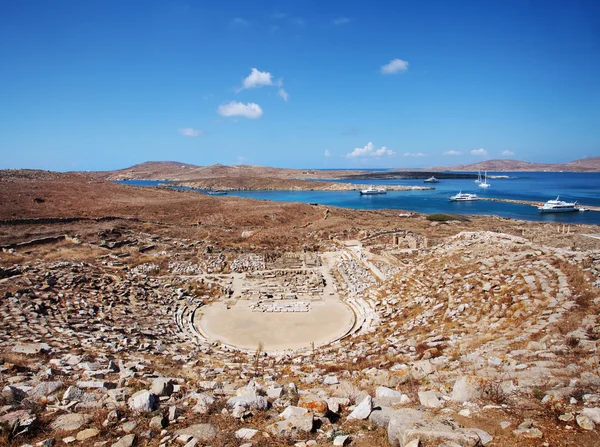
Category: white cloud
[507,152]
[415,154]
[479,152]
[394,66]
[341,21]
[452,152]
[281,92]
[327,153]
[370,151]
[257,78]
[189,132]
[234,108]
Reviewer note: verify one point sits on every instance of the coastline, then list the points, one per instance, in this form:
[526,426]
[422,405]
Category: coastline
[274,184]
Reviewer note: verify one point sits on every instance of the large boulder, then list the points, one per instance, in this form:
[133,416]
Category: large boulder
[409,425]
[143,401]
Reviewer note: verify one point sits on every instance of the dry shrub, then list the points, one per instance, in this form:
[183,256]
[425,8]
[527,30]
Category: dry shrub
[571,341]
[492,390]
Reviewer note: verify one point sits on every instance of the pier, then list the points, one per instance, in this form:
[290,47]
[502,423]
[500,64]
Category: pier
[532,202]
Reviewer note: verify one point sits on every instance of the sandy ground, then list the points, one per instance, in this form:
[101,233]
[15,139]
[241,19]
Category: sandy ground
[327,319]
[240,326]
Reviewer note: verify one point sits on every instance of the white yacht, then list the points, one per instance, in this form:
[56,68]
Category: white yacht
[372,191]
[558,206]
[464,197]
[478,177]
[484,183]
[431,179]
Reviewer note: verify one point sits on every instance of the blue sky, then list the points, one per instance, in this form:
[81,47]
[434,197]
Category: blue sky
[91,85]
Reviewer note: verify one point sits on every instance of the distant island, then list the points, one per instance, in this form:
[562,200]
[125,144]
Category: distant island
[186,172]
[581,165]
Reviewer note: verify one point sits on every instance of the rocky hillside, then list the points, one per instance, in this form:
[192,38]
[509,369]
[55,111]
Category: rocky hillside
[169,170]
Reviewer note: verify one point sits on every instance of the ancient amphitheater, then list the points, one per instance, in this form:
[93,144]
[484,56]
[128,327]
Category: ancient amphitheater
[472,340]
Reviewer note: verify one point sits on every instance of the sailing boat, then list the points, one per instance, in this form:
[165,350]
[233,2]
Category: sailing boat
[478,177]
[484,184]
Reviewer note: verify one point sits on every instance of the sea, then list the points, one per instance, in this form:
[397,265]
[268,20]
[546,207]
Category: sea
[531,186]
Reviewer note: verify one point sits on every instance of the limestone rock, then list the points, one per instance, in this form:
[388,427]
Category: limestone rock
[248,402]
[70,422]
[297,420]
[315,404]
[465,389]
[162,387]
[409,425]
[143,401]
[44,389]
[31,348]
[245,433]
[125,441]
[485,438]
[87,434]
[20,420]
[429,399]
[341,440]
[159,422]
[331,380]
[593,414]
[203,403]
[585,422]
[363,409]
[13,395]
[202,432]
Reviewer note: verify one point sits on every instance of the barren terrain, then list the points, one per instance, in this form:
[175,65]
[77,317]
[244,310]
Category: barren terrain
[466,331]
[172,170]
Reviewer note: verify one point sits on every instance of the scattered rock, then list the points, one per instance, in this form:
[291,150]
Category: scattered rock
[143,401]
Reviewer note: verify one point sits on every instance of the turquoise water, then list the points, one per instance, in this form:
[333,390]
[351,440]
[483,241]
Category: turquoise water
[535,186]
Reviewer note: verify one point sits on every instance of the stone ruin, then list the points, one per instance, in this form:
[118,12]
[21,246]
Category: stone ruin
[280,306]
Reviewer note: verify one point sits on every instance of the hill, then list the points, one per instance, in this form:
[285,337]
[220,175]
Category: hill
[176,171]
[581,165]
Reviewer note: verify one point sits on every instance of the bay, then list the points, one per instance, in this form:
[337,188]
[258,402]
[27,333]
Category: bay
[530,186]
